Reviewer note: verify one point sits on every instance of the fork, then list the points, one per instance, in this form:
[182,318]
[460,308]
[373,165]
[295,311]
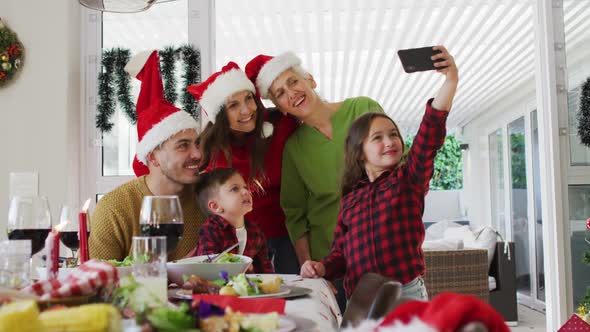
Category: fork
[216,258]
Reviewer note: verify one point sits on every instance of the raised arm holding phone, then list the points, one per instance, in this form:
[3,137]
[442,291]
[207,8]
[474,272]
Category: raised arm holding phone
[381,191]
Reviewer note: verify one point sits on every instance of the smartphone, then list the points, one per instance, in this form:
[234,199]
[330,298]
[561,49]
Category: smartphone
[418,59]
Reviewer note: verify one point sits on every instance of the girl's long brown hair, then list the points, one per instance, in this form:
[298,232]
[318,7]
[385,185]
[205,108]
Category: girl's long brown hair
[217,138]
[354,158]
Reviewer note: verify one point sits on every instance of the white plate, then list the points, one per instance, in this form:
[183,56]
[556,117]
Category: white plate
[285,325]
[282,291]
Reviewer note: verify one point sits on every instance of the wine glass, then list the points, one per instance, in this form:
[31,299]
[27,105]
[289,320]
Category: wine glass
[29,219]
[162,216]
[68,218]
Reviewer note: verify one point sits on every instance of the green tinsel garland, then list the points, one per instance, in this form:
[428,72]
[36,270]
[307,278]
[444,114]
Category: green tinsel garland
[167,66]
[191,75]
[584,114]
[113,80]
[123,83]
[106,106]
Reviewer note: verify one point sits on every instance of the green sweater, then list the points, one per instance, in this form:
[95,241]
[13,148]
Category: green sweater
[312,170]
[116,220]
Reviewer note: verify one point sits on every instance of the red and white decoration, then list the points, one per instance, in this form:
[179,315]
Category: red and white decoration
[575,323]
[86,279]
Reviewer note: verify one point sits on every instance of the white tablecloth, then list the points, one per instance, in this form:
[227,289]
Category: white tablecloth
[320,306]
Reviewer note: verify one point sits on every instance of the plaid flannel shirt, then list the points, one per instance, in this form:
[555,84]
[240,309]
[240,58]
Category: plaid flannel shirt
[380,226]
[216,235]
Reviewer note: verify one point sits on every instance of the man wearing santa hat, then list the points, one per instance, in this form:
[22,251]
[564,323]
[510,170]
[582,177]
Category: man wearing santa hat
[166,163]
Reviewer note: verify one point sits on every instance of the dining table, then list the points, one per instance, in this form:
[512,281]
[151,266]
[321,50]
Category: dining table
[316,311]
[313,310]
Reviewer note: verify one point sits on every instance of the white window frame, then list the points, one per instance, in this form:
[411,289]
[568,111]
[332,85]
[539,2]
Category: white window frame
[201,33]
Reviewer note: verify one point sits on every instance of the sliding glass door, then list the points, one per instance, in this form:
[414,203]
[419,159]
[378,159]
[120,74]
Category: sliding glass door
[516,202]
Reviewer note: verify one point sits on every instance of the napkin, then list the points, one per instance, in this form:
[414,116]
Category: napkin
[246,306]
[88,278]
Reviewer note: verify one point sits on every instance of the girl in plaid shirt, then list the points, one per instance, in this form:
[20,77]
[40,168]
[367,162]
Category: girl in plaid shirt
[380,226]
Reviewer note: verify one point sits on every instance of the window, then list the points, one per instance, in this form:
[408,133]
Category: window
[498,190]
[519,196]
[107,158]
[163,25]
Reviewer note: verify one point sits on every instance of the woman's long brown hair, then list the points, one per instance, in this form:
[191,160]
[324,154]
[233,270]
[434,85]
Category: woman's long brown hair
[217,138]
[354,158]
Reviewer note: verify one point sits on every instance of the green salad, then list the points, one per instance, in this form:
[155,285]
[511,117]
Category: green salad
[128,261]
[229,258]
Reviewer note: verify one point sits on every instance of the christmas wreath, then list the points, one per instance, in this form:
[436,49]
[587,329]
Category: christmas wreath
[11,54]
[584,114]
[114,82]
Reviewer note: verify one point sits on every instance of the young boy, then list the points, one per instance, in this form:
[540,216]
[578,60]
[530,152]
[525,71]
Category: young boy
[224,196]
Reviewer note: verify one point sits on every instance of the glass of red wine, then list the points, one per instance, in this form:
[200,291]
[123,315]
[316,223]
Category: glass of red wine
[29,218]
[69,236]
[162,216]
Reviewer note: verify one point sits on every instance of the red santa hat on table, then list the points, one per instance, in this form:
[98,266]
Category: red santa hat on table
[157,118]
[212,93]
[446,312]
[264,69]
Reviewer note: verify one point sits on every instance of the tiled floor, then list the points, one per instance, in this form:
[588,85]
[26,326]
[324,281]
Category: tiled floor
[529,320]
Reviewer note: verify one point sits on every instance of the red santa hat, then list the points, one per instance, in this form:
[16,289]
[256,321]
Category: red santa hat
[157,118]
[264,69]
[446,312]
[213,92]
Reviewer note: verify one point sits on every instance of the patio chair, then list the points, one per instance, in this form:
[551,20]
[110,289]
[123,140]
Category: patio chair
[361,299]
[388,297]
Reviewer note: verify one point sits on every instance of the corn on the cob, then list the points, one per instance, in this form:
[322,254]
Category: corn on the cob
[86,318]
[20,316]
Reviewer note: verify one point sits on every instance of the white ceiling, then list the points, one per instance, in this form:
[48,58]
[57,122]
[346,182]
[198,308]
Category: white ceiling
[350,46]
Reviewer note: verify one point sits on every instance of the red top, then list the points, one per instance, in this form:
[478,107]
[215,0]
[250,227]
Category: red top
[266,210]
[380,226]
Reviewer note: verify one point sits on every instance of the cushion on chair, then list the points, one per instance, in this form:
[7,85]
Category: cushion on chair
[443,244]
[436,231]
[486,238]
[482,238]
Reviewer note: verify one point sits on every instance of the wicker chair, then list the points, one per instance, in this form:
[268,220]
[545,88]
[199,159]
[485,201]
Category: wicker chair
[460,271]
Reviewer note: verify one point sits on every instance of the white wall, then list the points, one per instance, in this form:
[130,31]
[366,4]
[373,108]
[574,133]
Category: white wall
[41,108]
[476,179]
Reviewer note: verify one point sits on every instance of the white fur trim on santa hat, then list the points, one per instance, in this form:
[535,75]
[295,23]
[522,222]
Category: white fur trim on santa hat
[163,130]
[272,69]
[267,129]
[415,325]
[364,326]
[136,63]
[224,86]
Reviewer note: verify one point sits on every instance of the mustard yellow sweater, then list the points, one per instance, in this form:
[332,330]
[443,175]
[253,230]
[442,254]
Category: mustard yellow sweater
[116,219]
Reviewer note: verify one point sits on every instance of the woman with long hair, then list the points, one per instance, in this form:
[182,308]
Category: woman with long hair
[380,227]
[242,134]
